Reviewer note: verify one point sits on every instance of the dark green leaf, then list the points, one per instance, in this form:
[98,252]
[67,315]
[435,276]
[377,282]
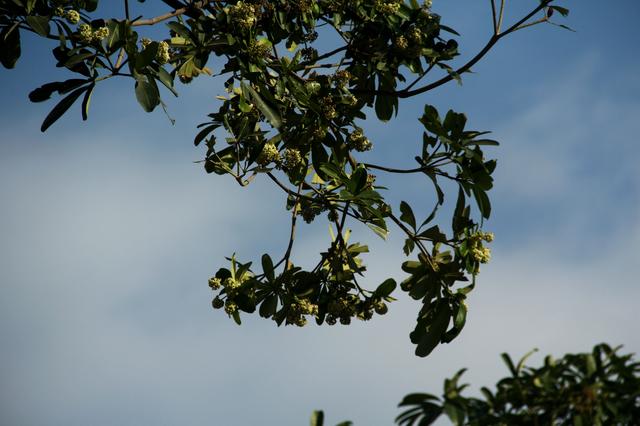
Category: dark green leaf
[484,205]
[561,10]
[9,46]
[270,114]
[147,93]
[317,418]
[86,101]
[40,24]
[61,108]
[384,107]
[386,288]
[267,267]
[430,331]
[407,215]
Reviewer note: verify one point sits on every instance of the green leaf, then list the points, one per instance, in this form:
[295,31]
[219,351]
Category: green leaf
[167,80]
[236,317]
[86,101]
[384,107]
[61,108]
[204,133]
[319,157]
[487,142]
[147,93]
[381,232]
[429,332]
[386,288]
[507,360]
[407,215]
[591,364]
[147,56]
[317,418]
[484,205]
[114,33]
[434,234]
[270,114]
[269,306]
[45,91]
[40,24]
[10,46]
[561,10]
[409,246]
[267,267]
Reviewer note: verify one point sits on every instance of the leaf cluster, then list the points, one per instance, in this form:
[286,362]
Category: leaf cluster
[292,111]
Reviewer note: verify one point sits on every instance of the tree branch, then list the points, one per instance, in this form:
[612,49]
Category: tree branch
[177,12]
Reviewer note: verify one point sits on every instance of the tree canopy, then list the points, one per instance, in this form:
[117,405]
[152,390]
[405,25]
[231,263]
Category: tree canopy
[600,387]
[291,111]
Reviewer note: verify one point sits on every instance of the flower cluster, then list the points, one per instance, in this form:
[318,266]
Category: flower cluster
[243,15]
[259,49]
[478,251]
[162,55]
[358,141]
[72,16]
[85,32]
[291,158]
[387,7]
[349,306]
[312,87]
[298,309]
[268,155]
[328,108]
[88,35]
[231,287]
[342,78]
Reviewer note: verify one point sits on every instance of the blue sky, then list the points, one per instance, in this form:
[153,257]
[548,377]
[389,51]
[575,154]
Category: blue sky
[110,231]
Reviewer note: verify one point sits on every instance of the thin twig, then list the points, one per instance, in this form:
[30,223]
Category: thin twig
[415,239]
[292,235]
[493,15]
[287,190]
[499,26]
[177,12]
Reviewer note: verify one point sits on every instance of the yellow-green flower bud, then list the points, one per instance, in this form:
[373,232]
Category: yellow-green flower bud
[259,49]
[312,87]
[292,158]
[401,42]
[85,33]
[358,141]
[215,283]
[481,254]
[328,108]
[387,7]
[72,16]
[162,55]
[231,284]
[243,15]
[230,307]
[59,11]
[268,155]
[101,33]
